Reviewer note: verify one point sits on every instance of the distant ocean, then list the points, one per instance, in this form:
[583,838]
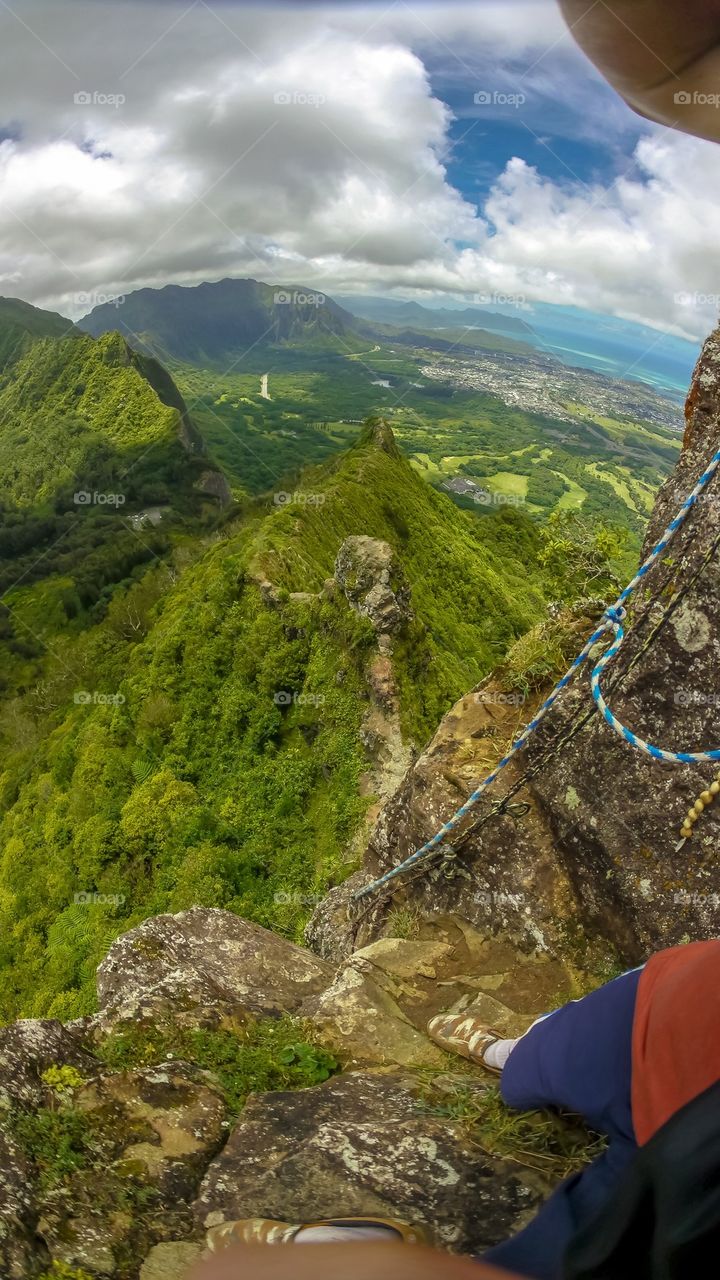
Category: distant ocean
[616,347]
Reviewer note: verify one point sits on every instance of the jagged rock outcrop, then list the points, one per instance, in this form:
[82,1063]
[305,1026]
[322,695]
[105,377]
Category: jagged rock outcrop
[204,960]
[595,855]
[214,485]
[154,1132]
[373,583]
[116,1156]
[27,1049]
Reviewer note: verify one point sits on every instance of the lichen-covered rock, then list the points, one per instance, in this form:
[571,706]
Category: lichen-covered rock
[451,965]
[171,1260]
[373,582]
[27,1049]
[152,1133]
[423,978]
[331,931]
[508,878]
[17,1210]
[361,1020]
[168,1124]
[201,960]
[364,1144]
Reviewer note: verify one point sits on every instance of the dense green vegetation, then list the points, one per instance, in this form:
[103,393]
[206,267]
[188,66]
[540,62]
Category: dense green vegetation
[273,1053]
[184,780]
[90,434]
[178,725]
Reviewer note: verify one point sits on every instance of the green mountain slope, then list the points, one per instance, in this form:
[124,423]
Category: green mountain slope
[38,323]
[21,323]
[217,323]
[179,776]
[90,434]
[75,412]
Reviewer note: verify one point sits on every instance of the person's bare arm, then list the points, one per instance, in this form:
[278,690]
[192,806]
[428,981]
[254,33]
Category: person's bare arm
[341,1262]
[662,56]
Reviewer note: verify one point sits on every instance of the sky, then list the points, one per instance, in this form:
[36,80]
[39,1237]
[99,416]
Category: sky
[411,148]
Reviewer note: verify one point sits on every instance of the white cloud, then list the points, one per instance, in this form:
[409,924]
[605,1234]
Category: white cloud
[645,248]
[202,173]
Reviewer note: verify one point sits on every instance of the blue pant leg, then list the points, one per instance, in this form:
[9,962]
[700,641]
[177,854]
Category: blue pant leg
[580,1059]
[538,1251]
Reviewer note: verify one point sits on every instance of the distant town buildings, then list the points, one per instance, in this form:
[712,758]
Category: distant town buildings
[548,387]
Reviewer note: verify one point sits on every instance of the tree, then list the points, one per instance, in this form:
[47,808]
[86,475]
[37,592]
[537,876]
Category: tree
[578,556]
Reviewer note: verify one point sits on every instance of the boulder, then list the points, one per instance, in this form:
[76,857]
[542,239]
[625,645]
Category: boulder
[204,960]
[152,1133]
[373,583]
[171,1260]
[365,1144]
[27,1049]
[450,965]
[167,1122]
[363,1022]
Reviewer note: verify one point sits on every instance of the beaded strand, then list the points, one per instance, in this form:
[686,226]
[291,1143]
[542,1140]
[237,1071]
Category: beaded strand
[704,799]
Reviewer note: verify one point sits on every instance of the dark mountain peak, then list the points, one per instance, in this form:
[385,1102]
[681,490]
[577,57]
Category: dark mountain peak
[21,325]
[34,320]
[212,322]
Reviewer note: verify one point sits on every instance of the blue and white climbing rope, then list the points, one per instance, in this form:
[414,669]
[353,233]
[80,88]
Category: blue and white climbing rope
[612,621]
[657,753]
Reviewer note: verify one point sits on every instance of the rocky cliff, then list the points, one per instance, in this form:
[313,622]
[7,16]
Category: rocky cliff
[230,1073]
[586,853]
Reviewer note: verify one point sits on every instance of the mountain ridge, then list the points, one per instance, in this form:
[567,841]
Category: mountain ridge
[213,321]
[402,313]
[262,663]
